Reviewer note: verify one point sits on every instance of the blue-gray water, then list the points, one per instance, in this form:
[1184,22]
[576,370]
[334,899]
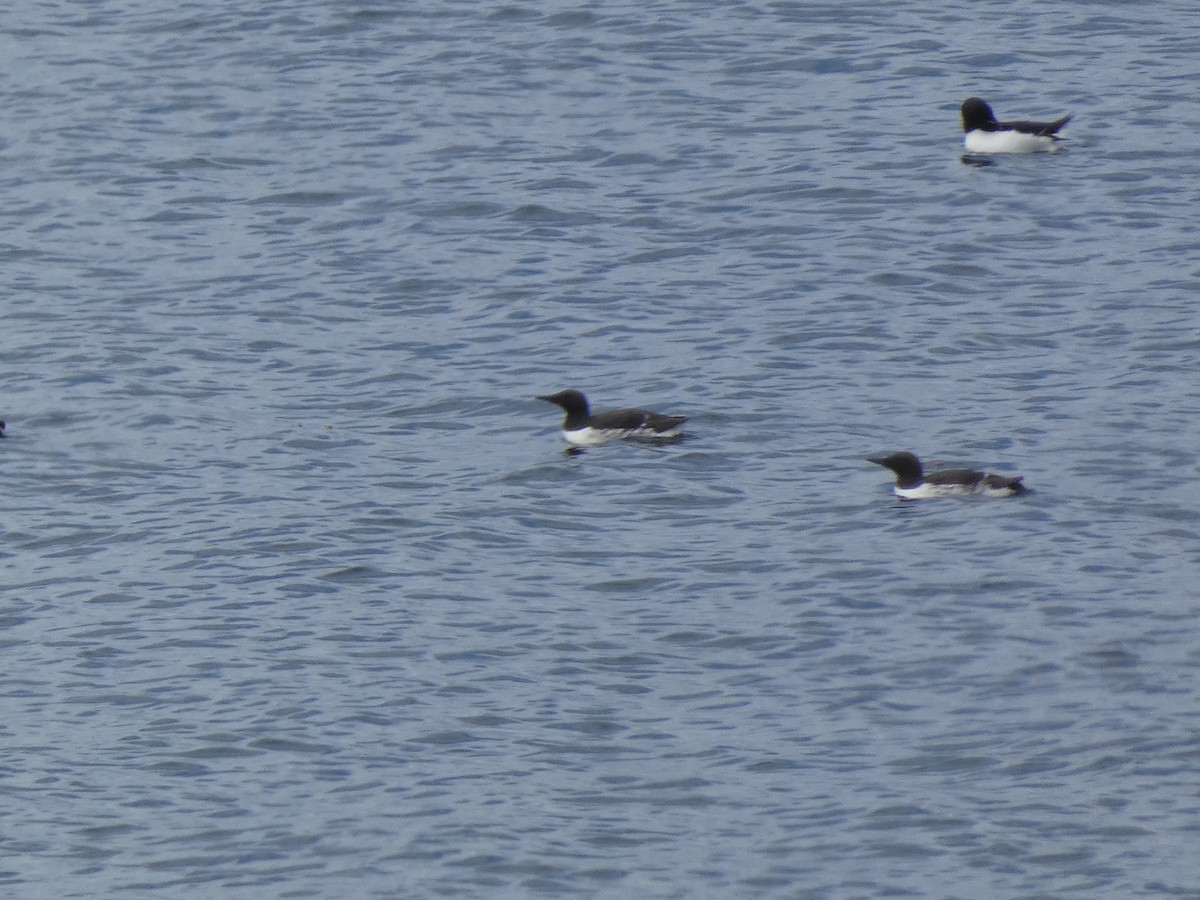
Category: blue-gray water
[301,598]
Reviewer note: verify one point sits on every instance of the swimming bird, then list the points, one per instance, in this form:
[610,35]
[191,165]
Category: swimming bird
[912,483]
[583,428]
[1,428]
[983,134]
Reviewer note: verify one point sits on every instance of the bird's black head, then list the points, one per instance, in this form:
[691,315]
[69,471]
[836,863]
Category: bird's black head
[976,114]
[906,466]
[572,401]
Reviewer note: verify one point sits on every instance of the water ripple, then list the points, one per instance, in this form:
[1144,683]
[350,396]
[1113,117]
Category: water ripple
[302,594]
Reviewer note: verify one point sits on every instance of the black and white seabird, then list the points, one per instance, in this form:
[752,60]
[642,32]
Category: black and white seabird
[912,483]
[983,134]
[583,428]
[1,428]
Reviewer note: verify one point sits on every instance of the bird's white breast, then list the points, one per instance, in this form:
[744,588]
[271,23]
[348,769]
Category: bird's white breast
[980,141]
[587,436]
[926,491]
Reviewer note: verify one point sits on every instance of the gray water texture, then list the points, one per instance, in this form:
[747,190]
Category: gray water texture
[300,596]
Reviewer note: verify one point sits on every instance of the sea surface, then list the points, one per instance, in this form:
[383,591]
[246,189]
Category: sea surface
[300,596]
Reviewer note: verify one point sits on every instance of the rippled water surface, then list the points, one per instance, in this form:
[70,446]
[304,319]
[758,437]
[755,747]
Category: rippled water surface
[301,597]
